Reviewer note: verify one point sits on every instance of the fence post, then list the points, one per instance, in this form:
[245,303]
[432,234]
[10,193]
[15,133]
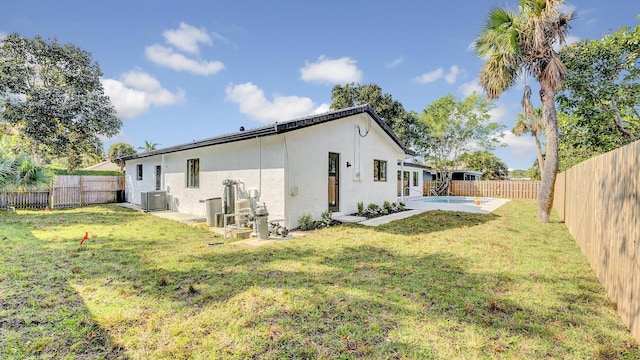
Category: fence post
[564,195]
[81,189]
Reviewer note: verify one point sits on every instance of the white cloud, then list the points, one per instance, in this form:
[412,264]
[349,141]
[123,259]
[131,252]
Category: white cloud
[430,76]
[498,114]
[128,102]
[438,74]
[136,91]
[165,56]
[469,88]
[155,93]
[332,71]
[254,103]
[452,75]
[187,38]
[396,62]
[520,146]
[323,108]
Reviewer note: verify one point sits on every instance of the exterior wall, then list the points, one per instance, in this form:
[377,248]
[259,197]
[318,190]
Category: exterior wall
[307,152]
[258,163]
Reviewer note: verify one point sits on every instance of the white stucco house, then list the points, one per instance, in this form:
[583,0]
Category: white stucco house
[308,165]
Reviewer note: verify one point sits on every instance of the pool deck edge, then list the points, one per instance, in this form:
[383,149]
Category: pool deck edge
[485,208]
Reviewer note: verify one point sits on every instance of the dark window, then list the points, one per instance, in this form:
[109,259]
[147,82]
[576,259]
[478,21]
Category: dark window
[379,170]
[193,173]
[158,177]
[139,172]
[415,179]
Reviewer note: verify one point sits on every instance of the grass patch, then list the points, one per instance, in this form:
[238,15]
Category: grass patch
[438,285]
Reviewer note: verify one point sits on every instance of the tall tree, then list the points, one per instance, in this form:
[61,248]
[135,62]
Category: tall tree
[117,150]
[491,166]
[512,42]
[582,137]
[402,122]
[602,89]
[531,123]
[450,127]
[51,93]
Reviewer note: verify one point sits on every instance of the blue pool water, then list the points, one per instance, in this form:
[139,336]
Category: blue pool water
[452,199]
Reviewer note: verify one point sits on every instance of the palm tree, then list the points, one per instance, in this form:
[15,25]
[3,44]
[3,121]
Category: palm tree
[531,124]
[512,42]
[22,173]
[148,146]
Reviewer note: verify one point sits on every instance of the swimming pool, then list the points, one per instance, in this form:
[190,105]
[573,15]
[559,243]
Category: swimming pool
[454,203]
[453,199]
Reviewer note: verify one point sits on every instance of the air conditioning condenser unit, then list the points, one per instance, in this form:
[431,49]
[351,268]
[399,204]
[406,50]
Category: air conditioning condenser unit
[153,200]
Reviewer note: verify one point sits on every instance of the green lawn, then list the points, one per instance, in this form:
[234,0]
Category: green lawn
[438,285]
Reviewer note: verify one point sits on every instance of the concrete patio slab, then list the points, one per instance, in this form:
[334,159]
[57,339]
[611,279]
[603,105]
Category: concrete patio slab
[349,218]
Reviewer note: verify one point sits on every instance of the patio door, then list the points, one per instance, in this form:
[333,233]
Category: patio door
[334,182]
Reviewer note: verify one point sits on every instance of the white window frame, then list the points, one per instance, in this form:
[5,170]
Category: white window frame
[193,173]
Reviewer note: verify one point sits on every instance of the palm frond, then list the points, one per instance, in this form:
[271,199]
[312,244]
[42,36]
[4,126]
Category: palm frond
[498,18]
[25,174]
[498,74]
[555,72]
[7,171]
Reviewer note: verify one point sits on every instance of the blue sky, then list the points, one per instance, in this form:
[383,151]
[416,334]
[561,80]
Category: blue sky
[183,71]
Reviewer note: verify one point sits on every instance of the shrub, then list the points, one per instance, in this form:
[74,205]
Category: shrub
[325,219]
[372,210]
[394,207]
[60,171]
[305,221]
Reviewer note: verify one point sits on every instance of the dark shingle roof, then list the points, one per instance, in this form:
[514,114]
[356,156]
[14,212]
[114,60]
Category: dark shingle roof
[277,128]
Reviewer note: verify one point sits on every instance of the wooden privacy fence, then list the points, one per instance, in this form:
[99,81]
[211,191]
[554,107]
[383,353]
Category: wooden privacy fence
[599,201]
[510,189]
[69,191]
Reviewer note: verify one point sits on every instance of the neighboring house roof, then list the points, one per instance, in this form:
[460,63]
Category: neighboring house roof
[414,165]
[467,172]
[278,128]
[105,165]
